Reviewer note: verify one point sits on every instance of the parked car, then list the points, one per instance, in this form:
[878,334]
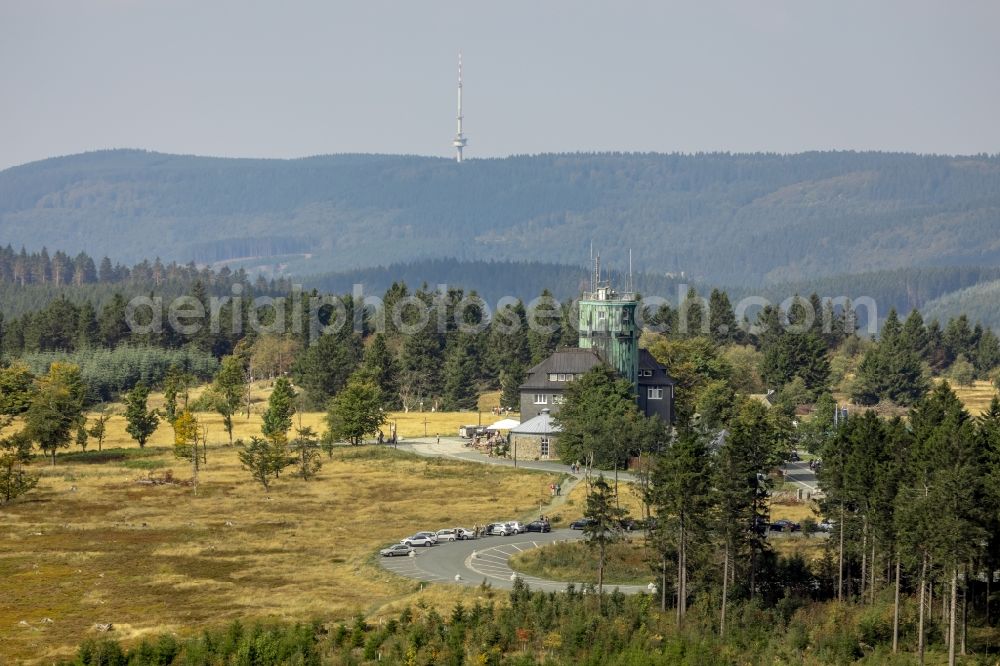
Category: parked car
[396,549]
[430,535]
[784,525]
[464,533]
[418,540]
[448,534]
[793,456]
[499,529]
[628,523]
[824,525]
[581,523]
[516,527]
[538,526]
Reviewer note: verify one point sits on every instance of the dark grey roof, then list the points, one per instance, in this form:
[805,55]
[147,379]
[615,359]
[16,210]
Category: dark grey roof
[660,375]
[565,361]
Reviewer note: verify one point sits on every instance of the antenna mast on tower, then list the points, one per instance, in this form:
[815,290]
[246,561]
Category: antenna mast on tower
[460,139]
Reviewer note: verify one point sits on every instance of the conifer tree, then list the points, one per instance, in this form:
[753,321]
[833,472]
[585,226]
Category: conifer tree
[380,364]
[459,372]
[544,327]
[680,492]
[280,410]
[604,525]
[228,391]
[511,379]
[141,423]
[305,448]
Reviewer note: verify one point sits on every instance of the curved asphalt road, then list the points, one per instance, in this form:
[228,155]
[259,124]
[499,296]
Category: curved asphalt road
[485,559]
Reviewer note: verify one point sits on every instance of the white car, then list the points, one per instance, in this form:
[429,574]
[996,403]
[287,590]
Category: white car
[431,535]
[449,534]
[418,540]
[464,533]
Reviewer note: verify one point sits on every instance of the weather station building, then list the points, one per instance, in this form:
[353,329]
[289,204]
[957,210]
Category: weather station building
[609,335]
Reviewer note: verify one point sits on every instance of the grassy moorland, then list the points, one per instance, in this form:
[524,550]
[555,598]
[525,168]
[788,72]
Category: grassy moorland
[576,562]
[96,543]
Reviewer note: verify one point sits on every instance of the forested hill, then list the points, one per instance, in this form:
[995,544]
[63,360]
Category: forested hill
[727,219]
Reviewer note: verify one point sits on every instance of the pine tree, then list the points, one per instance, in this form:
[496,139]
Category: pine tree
[722,320]
[305,448]
[511,379]
[322,369]
[544,321]
[141,423]
[277,418]
[987,355]
[604,525]
[680,492]
[257,458]
[914,336]
[380,364]
[459,372]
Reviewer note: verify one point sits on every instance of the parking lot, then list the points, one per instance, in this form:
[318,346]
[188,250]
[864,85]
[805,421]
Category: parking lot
[486,558]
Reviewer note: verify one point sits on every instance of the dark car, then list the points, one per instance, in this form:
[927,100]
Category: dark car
[784,525]
[581,524]
[539,526]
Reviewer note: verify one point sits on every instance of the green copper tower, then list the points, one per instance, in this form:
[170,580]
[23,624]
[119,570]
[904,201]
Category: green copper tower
[607,325]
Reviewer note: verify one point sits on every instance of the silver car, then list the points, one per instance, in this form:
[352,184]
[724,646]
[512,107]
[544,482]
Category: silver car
[395,550]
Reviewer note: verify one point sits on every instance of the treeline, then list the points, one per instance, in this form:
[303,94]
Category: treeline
[463,347]
[29,281]
[725,218]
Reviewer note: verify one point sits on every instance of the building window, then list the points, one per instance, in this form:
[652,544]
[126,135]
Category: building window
[601,315]
[553,377]
[645,373]
[544,447]
[541,399]
[654,393]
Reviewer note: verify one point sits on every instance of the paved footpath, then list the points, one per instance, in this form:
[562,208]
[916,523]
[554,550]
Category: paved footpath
[485,559]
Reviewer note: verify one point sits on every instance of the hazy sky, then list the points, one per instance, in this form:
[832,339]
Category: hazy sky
[289,78]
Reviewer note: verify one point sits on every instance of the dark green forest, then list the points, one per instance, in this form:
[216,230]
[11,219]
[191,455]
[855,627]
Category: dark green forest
[722,218]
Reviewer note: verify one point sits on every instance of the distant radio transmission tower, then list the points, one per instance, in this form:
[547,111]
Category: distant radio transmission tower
[460,139]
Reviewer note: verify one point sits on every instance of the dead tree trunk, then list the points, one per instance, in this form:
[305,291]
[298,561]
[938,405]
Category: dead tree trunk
[951,616]
[895,612]
[920,616]
[725,590]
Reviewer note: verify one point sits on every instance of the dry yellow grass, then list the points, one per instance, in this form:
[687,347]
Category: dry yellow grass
[793,510]
[629,499]
[976,397]
[91,545]
[409,424]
